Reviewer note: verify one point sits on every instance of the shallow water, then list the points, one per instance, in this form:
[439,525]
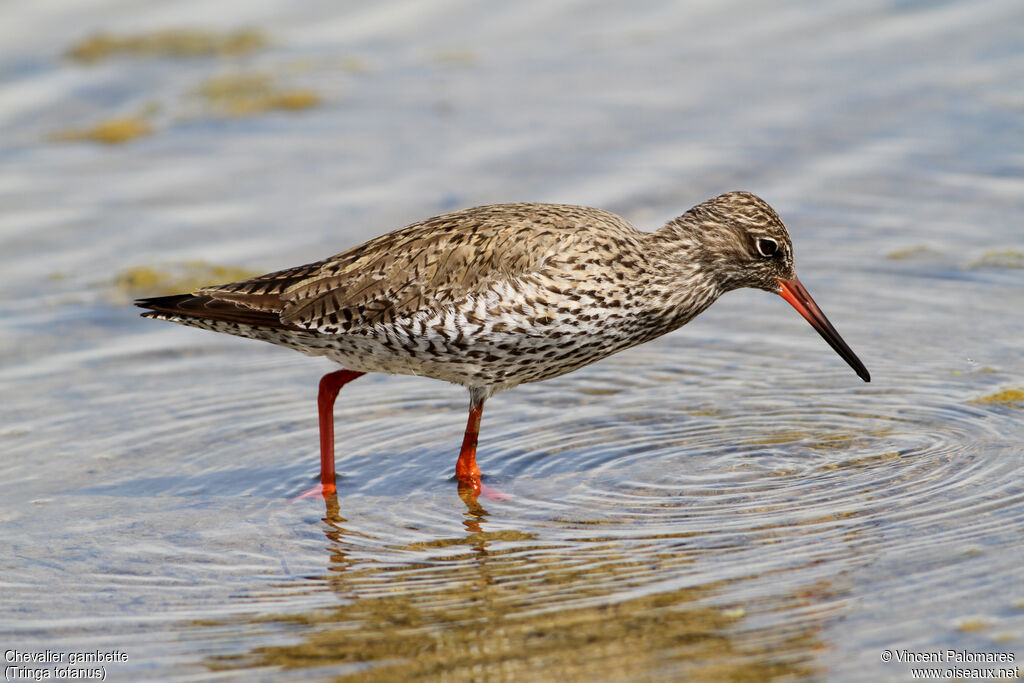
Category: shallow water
[728,502]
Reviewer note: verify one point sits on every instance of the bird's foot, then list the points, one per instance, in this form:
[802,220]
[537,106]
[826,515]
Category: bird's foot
[475,488]
[491,493]
[320,490]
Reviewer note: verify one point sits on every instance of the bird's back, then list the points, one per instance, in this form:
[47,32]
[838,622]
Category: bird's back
[425,266]
[498,294]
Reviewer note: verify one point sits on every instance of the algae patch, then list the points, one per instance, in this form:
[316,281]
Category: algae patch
[999,258]
[244,94]
[233,94]
[168,43]
[143,281]
[110,132]
[1008,397]
[454,56]
[910,252]
[969,625]
[489,628]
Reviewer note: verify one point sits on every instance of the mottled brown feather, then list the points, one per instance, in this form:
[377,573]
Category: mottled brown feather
[428,265]
[495,296]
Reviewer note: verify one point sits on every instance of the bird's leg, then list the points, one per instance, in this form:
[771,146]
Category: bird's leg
[466,470]
[330,385]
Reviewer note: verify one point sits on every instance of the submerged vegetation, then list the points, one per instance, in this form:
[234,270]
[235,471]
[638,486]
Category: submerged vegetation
[454,56]
[168,43]
[910,252]
[479,611]
[993,258]
[142,281]
[110,132]
[1010,396]
[999,258]
[233,94]
[244,94]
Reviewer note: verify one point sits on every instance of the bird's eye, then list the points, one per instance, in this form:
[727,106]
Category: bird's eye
[767,247]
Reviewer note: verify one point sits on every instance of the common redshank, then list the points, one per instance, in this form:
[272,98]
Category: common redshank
[495,296]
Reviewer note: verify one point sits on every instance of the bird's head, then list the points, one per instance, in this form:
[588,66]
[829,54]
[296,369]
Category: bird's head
[739,240]
[742,242]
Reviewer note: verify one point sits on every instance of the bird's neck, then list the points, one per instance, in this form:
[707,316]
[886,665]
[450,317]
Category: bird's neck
[683,282]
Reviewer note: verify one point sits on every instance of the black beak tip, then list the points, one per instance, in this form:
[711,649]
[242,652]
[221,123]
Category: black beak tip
[798,297]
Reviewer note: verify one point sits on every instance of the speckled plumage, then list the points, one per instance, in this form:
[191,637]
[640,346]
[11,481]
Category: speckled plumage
[488,297]
[494,296]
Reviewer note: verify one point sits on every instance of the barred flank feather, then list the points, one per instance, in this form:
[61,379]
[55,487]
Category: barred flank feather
[493,296]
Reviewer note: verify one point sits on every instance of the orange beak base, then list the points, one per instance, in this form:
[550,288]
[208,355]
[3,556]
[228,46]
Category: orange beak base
[793,292]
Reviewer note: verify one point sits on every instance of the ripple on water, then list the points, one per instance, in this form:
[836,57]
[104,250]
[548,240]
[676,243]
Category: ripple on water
[646,494]
[905,449]
[640,516]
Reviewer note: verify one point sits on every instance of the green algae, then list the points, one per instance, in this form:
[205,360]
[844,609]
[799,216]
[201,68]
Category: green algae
[142,281]
[455,56]
[114,131]
[522,612]
[246,94]
[485,628]
[910,252]
[168,43]
[970,625]
[1008,397]
[234,94]
[478,538]
[817,440]
[999,258]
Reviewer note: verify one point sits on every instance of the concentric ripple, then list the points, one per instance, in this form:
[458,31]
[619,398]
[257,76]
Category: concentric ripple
[728,502]
[759,458]
[741,519]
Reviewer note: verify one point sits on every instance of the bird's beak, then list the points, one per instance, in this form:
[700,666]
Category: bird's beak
[797,296]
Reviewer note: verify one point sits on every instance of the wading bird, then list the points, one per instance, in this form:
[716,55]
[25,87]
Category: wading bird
[494,296]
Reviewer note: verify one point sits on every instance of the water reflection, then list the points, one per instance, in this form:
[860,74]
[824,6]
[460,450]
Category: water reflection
[727,501]
[502,604]
[719,545]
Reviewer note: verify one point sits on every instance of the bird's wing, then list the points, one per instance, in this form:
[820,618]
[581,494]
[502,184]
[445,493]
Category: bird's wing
[184,307]
[423,267]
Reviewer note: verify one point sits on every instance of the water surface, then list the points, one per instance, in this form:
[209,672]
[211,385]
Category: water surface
[728,502]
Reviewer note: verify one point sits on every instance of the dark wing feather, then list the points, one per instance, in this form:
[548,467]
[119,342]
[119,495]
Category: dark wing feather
[208,308]
[423,267]
[420,268]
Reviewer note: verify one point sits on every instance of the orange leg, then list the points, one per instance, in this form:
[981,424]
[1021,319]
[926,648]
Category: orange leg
[466,470]
[330,385]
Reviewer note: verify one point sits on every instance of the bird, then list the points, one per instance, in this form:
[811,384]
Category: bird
[495,296]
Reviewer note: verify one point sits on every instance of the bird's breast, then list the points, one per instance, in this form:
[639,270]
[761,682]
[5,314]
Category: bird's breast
[513,332]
